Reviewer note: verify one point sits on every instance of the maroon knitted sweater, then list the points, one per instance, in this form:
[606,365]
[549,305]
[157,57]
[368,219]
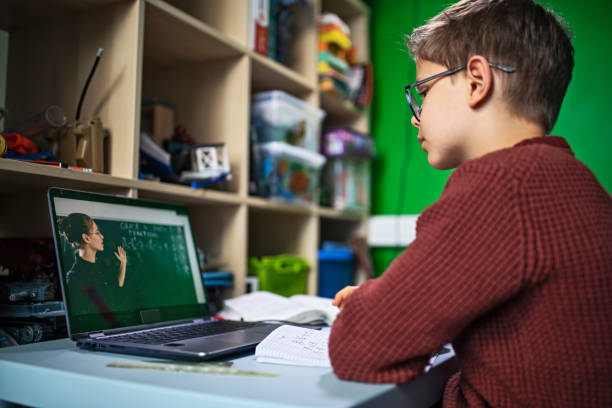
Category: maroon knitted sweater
[513,265]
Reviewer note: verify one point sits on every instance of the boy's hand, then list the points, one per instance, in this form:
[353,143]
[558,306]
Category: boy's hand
[342,295]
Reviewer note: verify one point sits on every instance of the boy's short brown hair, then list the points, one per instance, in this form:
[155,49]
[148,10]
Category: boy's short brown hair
[519,33]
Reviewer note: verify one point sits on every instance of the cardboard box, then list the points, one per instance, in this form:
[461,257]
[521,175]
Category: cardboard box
[158,121]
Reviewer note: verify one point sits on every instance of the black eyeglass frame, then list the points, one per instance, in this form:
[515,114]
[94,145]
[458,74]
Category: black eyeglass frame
[414,105]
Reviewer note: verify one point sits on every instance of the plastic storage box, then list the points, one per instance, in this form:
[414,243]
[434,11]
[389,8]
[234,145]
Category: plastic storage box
[346,176]
[277,116]
[336,268]
[346,182]
[344,142]
[287,172]
[281,274]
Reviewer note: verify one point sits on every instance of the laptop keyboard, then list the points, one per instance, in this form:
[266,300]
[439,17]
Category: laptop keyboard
[178,333]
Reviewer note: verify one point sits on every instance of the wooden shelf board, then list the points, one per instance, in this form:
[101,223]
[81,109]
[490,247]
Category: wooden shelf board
[268,75]
[337,108]
[347,215]
[262,204]
[183,194]
[173,37]
[346,8]
[23,176]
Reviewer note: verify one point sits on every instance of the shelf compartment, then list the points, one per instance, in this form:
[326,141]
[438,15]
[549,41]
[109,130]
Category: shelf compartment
[297,75]
[229,17]
[343,114]
[269,75]
[276,233]
[341,229]
[355,14]
[68,52]
[172,37]
[219,230]
[338,108]
[208,94]
[344,230]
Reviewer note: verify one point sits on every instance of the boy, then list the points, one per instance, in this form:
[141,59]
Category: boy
[513,263]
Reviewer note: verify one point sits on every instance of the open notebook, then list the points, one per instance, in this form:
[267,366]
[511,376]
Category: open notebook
[295,346]
[263,305]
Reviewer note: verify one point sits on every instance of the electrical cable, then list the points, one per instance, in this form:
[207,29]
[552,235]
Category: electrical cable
[93,69]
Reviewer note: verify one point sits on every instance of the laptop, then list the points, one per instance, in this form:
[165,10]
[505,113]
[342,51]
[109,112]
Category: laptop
[131,280]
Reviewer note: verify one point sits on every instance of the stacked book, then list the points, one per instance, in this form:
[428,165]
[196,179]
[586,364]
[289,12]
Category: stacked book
[271,27]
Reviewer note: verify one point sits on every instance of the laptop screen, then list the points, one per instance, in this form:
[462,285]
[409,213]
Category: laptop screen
[124,262]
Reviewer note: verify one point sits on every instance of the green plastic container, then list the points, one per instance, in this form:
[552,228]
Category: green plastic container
[284,275]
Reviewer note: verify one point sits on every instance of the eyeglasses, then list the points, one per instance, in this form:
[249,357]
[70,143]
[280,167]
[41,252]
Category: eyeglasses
[413,100]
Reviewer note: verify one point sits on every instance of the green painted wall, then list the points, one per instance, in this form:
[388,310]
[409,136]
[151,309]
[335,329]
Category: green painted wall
[402,180]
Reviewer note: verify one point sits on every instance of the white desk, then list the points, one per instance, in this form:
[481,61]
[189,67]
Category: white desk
[58,374]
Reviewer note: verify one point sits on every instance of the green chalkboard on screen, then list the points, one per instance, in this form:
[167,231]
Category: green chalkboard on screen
[158,271]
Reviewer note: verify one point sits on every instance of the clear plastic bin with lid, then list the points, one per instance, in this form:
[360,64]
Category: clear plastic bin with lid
[277,116]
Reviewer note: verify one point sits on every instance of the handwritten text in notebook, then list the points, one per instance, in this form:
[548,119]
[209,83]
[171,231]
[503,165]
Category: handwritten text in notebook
[295,346]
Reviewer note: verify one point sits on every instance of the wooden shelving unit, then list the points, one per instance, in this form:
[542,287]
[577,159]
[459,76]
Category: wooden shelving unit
[194,55]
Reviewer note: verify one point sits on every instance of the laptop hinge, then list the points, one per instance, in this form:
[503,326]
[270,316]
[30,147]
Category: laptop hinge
[96,335]
[131,329]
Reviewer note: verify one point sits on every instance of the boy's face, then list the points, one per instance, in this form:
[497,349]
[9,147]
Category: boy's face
[443,128]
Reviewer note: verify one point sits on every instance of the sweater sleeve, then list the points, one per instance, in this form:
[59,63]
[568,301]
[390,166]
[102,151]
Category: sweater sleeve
[467,257]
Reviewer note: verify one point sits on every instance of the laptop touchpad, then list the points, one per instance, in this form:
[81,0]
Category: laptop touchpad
[213,343]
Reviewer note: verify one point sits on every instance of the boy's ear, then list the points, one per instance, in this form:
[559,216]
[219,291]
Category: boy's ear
[480,80]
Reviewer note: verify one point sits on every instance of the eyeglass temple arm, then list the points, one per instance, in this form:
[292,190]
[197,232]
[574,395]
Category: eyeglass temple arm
[422,81]
[505,68]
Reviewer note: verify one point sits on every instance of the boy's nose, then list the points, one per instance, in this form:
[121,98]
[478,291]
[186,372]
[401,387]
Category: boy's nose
[415,122]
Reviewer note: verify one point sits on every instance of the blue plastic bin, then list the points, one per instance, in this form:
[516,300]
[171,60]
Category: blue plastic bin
[336,268]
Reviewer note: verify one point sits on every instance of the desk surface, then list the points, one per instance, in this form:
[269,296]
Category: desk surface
[57,373]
